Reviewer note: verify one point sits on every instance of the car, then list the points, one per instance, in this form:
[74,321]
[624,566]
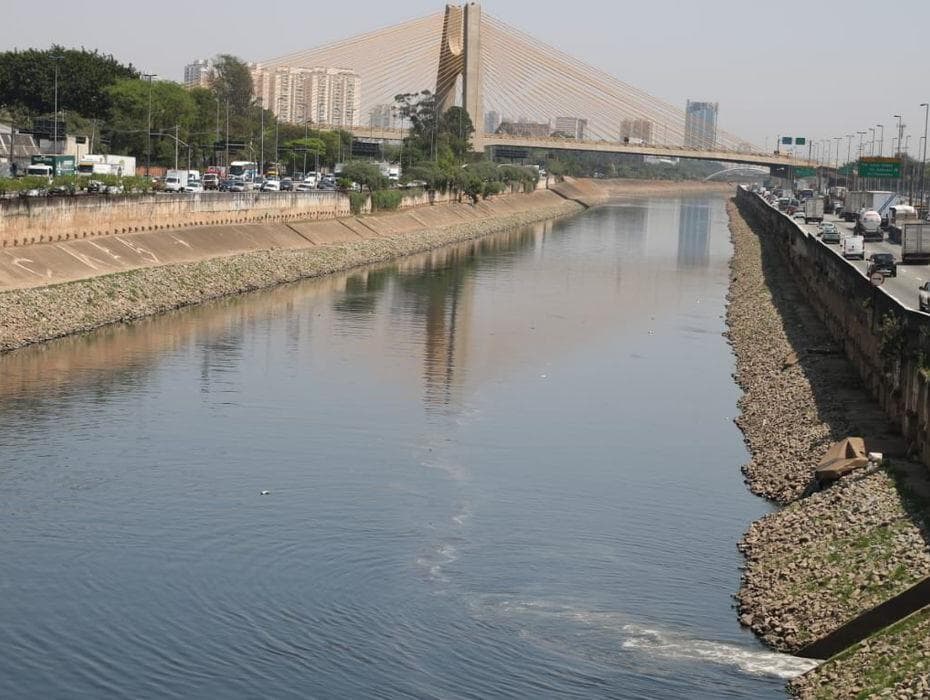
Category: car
[271,185]
[287,185]
[305,187]
[799,216]
[884,263]
[237,186]
[829,233]
[923,296]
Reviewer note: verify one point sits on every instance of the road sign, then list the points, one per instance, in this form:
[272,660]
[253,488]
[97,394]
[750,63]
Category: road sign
[880,167]
[786,140]
[800,140]
[804,172]
[877,279]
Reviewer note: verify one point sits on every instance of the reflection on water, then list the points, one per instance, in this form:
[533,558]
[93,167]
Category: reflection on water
[506,468]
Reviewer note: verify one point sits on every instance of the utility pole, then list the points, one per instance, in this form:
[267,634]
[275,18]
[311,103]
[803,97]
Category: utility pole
[177,136]
[148,161]
[227,135]
[923,159]
[261,165]
[57,59]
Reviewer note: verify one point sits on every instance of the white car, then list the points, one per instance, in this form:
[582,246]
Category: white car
[305,187]
[271,185]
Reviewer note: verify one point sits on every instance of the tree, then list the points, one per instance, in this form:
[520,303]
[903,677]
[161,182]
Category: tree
[232,83]
[27,80]
[366,174]
[456,130]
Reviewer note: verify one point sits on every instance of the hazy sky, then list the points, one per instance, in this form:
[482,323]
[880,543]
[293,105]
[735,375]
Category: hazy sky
[799,67]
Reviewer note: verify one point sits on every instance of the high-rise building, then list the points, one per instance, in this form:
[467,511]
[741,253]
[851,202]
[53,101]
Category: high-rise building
[492,120]
[636,130]
[701,125]
[571,127]
[382,117]
[198,74]
[327,96]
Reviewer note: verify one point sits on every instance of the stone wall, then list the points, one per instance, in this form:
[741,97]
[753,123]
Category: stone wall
[888,343]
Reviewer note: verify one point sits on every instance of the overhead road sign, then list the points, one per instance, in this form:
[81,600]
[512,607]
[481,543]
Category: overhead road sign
[878,167]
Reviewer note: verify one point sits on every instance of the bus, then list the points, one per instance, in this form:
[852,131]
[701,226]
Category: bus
[245,170]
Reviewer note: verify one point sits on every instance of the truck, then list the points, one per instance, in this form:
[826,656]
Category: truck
[869,225]
[107,164]
[51,166]
[176,181]
[853,247]
[876,200]
[898,216]
[813,210]
[915,243]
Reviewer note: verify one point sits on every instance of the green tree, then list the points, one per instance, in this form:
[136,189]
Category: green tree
[367,175]
[27,80]
[455,130]
[232,84]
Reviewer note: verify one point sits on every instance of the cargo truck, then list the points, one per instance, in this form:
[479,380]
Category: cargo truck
[813,210]
[915,243]
[51,166]
[869,225]
[876,200]
[898,216]
[121,166]
[176,181]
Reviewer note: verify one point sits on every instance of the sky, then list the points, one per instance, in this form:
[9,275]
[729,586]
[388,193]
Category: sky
[796,67]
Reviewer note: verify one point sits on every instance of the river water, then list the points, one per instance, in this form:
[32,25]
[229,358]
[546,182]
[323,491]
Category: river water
[503,469]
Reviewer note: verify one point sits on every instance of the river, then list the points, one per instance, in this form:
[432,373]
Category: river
[504,469]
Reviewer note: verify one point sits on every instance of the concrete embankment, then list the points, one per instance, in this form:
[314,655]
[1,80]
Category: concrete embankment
[129,276]
[831,556]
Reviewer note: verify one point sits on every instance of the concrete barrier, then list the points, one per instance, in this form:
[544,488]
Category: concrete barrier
[75,259]
[888,343]
[51,219]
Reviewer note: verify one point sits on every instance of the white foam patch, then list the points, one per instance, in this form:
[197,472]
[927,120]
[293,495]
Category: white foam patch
[749,661]
[664,643]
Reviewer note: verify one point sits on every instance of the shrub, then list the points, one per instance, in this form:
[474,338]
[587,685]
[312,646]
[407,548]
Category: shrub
[385,200]
[357,202]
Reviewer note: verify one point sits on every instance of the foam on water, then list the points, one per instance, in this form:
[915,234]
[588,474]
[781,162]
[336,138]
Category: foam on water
[751,661]
[653,641]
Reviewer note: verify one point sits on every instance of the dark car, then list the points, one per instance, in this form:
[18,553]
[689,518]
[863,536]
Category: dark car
[287,185]
[884,263]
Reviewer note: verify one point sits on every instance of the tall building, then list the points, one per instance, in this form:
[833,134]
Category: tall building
[492,120]
[382,117]
[198,74]
[636,130]
[329,96]
[571,127]
[701,125]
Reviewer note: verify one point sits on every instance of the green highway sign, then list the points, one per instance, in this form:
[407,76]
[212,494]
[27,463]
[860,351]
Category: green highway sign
[804,172]
[880,168]
[800,141]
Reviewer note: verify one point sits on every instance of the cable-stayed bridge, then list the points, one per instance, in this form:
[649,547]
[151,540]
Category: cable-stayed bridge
[471,59]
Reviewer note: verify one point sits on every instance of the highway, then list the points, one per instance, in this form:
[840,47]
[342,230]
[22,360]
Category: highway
[910,277]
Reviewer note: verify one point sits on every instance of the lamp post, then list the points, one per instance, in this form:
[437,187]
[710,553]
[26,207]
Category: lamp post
[858,160]
[881,139]
[148,159]
[57,59]
[923,159]
[261,165]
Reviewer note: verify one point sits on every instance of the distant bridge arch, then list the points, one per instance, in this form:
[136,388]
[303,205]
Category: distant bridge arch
[743,170]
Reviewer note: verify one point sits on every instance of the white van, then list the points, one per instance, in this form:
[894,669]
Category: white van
[854,247]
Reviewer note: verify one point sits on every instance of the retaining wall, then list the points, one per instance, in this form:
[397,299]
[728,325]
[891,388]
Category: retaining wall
[888,343]
[41,220]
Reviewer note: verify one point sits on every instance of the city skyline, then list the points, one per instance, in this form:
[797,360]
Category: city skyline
[720,62]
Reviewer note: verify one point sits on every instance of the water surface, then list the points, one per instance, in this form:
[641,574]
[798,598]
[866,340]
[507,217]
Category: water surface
[503,469]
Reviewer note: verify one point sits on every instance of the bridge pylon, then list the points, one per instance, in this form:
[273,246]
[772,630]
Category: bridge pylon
[460,56]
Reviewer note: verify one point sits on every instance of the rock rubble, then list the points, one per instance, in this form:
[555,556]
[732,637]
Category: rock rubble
[831,555]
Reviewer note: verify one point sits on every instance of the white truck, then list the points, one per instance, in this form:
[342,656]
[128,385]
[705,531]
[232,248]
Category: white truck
[854,247]
[121,166]
[813,210]
[176,181]
[915,243]
[869,225]
[876,200]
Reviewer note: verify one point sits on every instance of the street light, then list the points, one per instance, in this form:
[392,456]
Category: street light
[881,141]
[859,159]
[923,160]
[57,59]
[148,161]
